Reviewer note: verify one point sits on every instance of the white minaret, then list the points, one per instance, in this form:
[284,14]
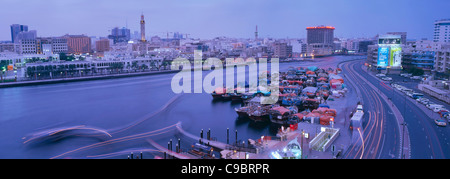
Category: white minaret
[142,28]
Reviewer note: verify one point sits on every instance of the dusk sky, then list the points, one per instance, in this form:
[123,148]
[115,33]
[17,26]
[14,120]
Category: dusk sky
[232,18]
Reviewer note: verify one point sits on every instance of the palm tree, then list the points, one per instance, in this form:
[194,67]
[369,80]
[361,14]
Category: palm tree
[72,69]
[152,64]
[144,67]
[165,64]
[134,65]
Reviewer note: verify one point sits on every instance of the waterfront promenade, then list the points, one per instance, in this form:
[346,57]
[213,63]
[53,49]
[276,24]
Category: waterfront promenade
[83,78]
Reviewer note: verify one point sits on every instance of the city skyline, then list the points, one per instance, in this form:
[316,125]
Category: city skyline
[275,19]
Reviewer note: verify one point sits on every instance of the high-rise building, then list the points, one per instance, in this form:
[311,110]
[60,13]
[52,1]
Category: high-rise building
[442,59]
[120,35]
[59,45]
[29,35]
[15,29]
[320,40]
[27,46]
[386,55]
[320,35]
[142,28]
[442,30]
[402,36]
[282,50]
[78,44]
[102,45]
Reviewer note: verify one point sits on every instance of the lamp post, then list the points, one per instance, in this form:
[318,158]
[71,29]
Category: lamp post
[303,134]
[403,139]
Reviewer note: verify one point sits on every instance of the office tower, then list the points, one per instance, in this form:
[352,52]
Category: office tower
[29,35]
[320,40]
[15,29]
[282,50]
[320,35]
[442,30]
[102,45]
[402,36]
[59,45]
[120,35]
[78,44]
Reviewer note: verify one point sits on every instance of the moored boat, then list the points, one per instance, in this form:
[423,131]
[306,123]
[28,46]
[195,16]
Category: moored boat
[281,115]
[217,93]
[243,111]
[236,96]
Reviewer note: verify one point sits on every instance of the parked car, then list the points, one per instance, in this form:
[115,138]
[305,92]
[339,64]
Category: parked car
[417,95]
[423,100]
[380,75]
[437,109]
[441,110]
[387,79]
[409,94]
[432,105]
[400,87]
[406,75]
[415,77]
[407,90]
[440,122]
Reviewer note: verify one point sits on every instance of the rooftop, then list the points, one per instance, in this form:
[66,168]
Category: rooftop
[320,27]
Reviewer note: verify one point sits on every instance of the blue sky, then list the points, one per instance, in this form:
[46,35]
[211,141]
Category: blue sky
[231,18]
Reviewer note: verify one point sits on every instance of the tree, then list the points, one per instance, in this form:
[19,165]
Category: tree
[65,57]
[153,64]
[3,66]
[144,67]
[134,65]
[165,64]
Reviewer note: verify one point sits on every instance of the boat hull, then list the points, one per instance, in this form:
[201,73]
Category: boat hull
[216,96]
[242,114]
[259,118]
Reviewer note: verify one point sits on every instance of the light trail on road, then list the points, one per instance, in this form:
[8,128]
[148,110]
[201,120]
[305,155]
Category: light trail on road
[373,131]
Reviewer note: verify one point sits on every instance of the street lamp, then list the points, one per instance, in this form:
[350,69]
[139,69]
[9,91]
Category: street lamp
[303,133]
[403,139]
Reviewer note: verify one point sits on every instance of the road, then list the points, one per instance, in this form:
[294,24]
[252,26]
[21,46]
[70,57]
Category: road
[379,132]
[428,141]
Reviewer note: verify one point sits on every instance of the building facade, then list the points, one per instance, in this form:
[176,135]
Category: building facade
[78,44]
[16,29]
[282,50]
[320,40]
[120,35]
[402,35]
[27,46]
[59,45]
[442,31]
[442,59]
[102,45]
